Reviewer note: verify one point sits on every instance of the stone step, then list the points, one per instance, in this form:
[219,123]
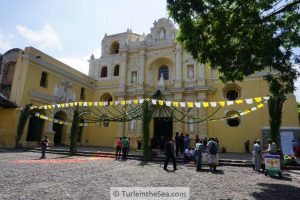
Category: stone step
[227,162]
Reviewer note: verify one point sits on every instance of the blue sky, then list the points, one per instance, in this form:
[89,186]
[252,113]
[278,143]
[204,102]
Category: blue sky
[71,30]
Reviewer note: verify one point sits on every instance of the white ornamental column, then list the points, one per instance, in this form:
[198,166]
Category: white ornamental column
[142,67]
[178,67]
[124,60]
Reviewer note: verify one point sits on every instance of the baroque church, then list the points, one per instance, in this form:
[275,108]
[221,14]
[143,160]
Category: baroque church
[132,66]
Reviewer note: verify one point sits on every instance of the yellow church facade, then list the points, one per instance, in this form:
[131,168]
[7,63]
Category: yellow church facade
[132,66]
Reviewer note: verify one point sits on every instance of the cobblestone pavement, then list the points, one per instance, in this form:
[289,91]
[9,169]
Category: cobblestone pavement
[23,176]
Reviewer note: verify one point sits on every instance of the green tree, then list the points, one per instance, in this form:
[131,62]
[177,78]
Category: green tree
[239,38]
[24,115]
[74,132]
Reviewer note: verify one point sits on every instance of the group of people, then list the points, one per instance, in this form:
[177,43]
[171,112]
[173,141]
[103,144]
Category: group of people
[258,153]
[182,144]
[123,145]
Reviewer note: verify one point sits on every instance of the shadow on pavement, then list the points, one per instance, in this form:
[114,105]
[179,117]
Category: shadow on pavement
[277,191]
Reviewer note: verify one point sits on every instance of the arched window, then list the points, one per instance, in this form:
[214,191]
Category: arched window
[232,92]
[233,122]
[116,70]
[103,72]
[106,97]
[114,48]
[164,70]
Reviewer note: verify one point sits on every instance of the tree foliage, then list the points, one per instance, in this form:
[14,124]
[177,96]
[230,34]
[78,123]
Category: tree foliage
[240,37]
[74,132]
[24,115]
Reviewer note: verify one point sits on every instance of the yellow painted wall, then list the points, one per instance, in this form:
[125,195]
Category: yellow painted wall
[8,126]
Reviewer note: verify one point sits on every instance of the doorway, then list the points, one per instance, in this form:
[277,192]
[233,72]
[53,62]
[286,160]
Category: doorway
[163,127]
[58,128]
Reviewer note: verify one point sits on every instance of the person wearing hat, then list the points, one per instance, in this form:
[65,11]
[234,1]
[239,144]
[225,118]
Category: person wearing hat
[257,155]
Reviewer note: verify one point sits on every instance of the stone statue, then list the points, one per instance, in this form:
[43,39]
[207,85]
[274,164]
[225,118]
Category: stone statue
[134,77]
[191,72]
[162,34]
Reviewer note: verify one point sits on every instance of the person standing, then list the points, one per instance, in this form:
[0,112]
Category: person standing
[177,143]
[44,144]
[139,142]
[198,153]
[169,152]
[197,140]
[118,148]
[181,143]
[257,155]
[212,148]
[124,147]
[272,149]
[187,141]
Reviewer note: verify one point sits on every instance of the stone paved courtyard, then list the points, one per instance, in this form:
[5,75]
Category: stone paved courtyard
[24,176]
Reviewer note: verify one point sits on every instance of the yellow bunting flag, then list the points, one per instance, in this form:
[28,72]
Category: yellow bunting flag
[100,103]
[175,104]
[71,104]
[80,103]
[50,119]
[257,99]
[49,106]
[205,104]
[240,101]
[161,102]
[123,102]
[190,104]
[90,103]
[111,103]
[222,103]
[260,105]
[62,105]
[80,124]
[135,101]
[40,107]
[61,122]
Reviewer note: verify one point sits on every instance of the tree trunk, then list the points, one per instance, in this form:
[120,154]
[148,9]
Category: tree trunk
[275,112]
[146,131]
[74,132]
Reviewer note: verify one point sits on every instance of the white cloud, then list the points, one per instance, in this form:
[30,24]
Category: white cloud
[44,38]
[5,42]
[80,63]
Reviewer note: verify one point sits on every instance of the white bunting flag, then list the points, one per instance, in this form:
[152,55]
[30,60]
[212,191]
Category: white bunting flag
[197,104]
[45,107]
[37,114]
[95,103]
[182,104]
[168,103]
[67,105]
[141,100]
[117,102]
[75,103]
[253,109]
[154,101]
[105,103]
[229,103]
[266,98]
[249,101]
[128,102]
[66,123]
[213,104]
[85,104]
[55,121]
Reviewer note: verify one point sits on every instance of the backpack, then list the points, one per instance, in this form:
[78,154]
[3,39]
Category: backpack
[213,148]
